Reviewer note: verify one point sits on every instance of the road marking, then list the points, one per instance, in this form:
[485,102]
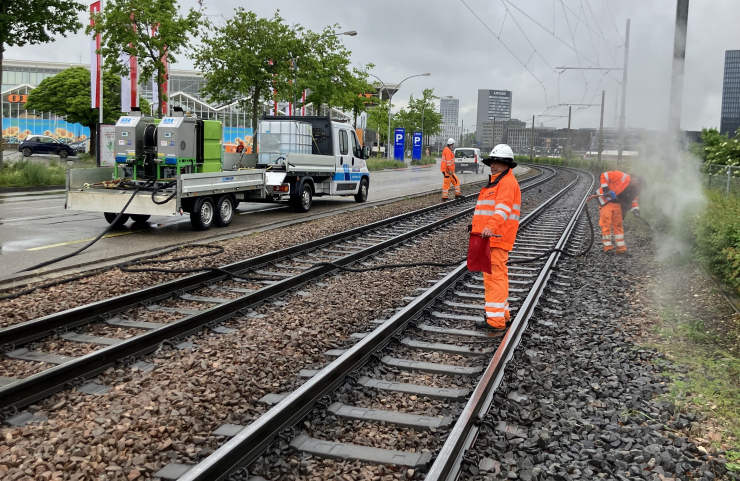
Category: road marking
[83,240]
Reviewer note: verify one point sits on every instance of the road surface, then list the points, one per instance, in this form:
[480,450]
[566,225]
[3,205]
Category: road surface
[35,227]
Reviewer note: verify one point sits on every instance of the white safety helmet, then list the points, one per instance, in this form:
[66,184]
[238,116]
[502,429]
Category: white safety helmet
[450,141]
[501,153]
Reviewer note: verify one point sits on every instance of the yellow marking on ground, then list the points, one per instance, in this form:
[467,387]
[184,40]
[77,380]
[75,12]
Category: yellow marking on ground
[83,240]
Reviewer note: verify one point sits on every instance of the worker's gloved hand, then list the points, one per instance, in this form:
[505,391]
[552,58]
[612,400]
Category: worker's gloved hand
[611,195]
[636,211]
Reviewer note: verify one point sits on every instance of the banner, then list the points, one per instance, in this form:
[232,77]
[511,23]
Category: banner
[399,144]
[95,62]
[130,83]
[106,145]
[416,146]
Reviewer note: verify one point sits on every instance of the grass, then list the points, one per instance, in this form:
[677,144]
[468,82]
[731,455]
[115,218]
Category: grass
[711,384]
[380,164]
[424,161]
[24,173]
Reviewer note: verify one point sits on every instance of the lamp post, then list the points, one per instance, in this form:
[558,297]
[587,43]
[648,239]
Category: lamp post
[390,104]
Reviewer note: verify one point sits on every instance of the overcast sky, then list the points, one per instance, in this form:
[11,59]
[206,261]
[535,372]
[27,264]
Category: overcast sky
[445,38]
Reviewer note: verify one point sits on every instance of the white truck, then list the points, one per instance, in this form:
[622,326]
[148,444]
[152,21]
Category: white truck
[299,158]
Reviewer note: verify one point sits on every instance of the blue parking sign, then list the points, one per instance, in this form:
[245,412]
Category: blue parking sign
[416,150]
[399,144]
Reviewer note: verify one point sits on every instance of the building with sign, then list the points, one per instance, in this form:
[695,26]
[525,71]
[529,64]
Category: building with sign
[492,104]
[730,117]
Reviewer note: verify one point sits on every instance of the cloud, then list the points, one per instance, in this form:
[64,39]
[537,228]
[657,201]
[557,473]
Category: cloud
[404,38]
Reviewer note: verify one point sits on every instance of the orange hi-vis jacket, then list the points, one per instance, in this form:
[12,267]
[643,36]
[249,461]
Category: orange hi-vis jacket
[615,181]
[448,161]
[498,209]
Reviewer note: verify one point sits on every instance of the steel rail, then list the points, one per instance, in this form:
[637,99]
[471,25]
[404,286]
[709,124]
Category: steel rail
[447,465]
[76,371]
[13,336]
[244,448]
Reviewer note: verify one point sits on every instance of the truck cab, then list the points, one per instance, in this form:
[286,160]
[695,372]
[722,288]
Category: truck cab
[318,156]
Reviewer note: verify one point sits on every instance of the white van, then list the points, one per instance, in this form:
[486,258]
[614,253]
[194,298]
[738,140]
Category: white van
[468,159]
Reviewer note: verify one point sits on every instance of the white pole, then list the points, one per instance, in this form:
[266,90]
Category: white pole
[100,87]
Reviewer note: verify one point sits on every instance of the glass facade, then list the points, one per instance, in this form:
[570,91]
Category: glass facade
[449,108]
[730,118]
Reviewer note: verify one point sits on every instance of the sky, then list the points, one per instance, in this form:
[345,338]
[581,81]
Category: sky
[512,45]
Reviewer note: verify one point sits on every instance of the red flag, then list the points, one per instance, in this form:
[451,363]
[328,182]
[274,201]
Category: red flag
[95,62]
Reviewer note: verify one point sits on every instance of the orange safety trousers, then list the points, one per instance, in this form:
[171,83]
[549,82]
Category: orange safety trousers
[497,289]
[450,178]
[610,219]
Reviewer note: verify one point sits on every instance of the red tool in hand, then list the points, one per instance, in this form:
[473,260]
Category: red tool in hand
[479,253]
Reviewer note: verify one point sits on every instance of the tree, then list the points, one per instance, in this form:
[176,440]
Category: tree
[354,93]
[377,119]
[68,94]
[711,139]
[247,58]
[23,22]
[152,30]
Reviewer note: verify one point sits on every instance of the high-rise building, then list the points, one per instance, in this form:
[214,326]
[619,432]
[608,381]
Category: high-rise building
[492,104]
[450,109]
[730,118]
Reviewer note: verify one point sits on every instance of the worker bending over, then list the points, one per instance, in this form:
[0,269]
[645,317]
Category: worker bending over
[496,218]
[618,193]
[448,170]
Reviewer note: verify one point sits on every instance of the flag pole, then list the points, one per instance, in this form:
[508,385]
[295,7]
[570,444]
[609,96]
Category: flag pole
[100,87]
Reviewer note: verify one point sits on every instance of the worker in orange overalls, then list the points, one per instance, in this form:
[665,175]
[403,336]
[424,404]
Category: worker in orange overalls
[448,170]
[497,217]
[617,193]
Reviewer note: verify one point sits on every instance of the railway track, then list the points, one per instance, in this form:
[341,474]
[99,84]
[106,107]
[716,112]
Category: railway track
[429,340]
[194,302]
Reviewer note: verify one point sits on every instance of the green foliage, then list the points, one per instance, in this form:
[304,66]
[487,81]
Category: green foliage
[377,119]
[718,237]
[419,109]
[351,96]
[37,21]
[152,30]
[713,147]
[25,173]
[380,164]
[248,57]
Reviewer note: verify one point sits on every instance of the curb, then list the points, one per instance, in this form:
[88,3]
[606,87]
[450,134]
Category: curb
[38,188]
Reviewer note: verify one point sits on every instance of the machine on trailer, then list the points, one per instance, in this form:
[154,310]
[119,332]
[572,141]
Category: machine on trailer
[177,165]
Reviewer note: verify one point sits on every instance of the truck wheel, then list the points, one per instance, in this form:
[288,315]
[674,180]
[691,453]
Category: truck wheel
[140,218]
[361,195]
[224,211]
[111,216]
[203,213]
[302,203]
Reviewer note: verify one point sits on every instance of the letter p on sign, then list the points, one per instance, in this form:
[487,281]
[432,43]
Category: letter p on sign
[399,137]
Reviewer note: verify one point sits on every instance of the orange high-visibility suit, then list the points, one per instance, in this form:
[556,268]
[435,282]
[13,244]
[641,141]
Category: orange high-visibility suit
[498,209]
[448,170]
[612,210]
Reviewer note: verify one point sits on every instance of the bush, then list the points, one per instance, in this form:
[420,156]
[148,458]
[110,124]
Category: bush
[24,173]
[380,164]
[718,237]
[424,161]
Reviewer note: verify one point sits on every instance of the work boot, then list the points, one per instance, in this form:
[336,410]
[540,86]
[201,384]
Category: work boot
[625,254]
[483,324]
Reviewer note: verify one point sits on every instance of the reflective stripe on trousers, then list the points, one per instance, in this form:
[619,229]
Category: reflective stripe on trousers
[497,289]
[610,219]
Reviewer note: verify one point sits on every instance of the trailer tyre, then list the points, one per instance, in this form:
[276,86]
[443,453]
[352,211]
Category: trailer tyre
[203,214]
[302,202]
[224,211]
[111,217]
[361,195]
[139,218]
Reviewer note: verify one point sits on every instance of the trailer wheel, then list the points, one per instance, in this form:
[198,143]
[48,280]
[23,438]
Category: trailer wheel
[139,218]
[111,217]
[302,202]
[203,213]
[224,211]
[361,195]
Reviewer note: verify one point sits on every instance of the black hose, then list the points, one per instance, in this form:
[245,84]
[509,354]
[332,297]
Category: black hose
[105,231]
[162,187]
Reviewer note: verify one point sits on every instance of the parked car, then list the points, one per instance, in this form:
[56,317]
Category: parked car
[468,159]
[80,147]
[43,144]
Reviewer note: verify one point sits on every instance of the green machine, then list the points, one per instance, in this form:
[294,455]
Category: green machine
[148,148]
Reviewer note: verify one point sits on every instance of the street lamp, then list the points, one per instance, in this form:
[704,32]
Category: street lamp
[390,105]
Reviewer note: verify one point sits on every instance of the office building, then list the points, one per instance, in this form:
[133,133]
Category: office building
[730,118]
[450,109]
[492,104]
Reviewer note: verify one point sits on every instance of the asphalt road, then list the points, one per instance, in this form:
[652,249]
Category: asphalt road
[35,227]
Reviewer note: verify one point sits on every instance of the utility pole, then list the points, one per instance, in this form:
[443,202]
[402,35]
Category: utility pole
[531,143]
[622,118]
[462,131]
[679,60]
[601,127]
[567,142]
